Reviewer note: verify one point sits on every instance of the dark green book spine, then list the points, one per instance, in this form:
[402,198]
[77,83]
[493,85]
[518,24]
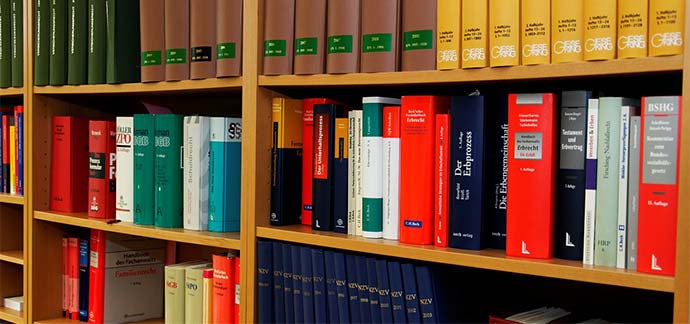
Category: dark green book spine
[144,128]
[168,171]
[42,42]
[17,43]
[58,42]
[123,64]
[96,45]
[5,44]
[76,58]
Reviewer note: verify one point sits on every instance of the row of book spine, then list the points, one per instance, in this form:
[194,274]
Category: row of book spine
[12,150]
[11,43]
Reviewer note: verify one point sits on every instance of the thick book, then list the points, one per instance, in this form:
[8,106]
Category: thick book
[264,281]
[223,287]
[288,298]
[310,31]
[571,176]
[96,69]
[102,169]
[168,171]
[228,38]
[286,161]
[448,40]
[666,27]
[384,291]
[342,36]
[531,174]
[308,276]
[380,35]
[373,287]
[176,40]
[568,30]
[207,300]
[341,286]
[633,192]
[175,291]
[143,186]
[69,164]
[202,38]
[279,25]
[279,304]
[632,28]
[41,42]
[152,26]
[410,289]
[320,290]
[659,185]
[391,172]
[418,35]
[600,33]
[196,148]
[124,173]
[193,292]
[84,278]
[418,123]
[504,32]
[340,164]
[535,31]
[325,116]
[298,305]
[497,172]
[5,44]
[122,55]
[331,292]
[590,181]
[441,179]
[397,292]
[77,42]
[225,168]
[466,214]
[428,301]
[621,254]
[58,42]
[352,288]
[363,289]
[17,42]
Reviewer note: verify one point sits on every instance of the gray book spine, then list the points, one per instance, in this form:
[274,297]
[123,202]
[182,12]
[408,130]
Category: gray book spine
[633,192]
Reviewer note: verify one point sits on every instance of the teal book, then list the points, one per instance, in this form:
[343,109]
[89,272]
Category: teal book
[144,128]
[76,50]
[96,42]
[5,44]
[17,31]
[122,58]
[41,42]
[225,174]
[58,42]
[167,171]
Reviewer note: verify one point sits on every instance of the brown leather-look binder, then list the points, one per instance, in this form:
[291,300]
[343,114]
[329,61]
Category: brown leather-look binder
[228,38]
[202,39]
[418,47]
[176,40]
[343,36]
[380,35]
[310,29]
[152,25]
[279,25]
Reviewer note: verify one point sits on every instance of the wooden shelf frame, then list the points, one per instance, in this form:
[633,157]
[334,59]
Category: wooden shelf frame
[11,92]
[12,199]
[176,87]
[12,256]
[62,320]
[11,315]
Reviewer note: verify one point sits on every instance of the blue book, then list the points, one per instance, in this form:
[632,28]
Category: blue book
[331,286]
[465,221]
[372,283]
[278,292]
[84,278]
[352,288]
[340,176]
[497,171]
[264,279]
[364,305]
[322,179]
[307,284]
[341,282]
[397,292]
[289,299]
[410,288]
[3,180]
[20,154]
[384,291]
[320,299]
[427,297]
[225,168]
[298,300]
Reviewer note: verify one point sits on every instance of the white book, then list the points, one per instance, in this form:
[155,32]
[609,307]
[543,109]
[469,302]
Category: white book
[124,172]
[621,245]
[590,182]
[391,176]
[197,136]
[351,175]
[358,172]
[15,303]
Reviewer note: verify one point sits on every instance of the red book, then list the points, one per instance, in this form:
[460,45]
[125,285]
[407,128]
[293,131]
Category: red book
[441,178]
[65,277]
[69,166]
[223,288]
[73,304]
[102,169]
[237,289]
[170,252]
[531,175]
[6,153]
[96,276]
[658,209]
[418,124]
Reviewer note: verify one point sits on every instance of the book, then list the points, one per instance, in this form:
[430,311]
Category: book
[168,171]
[621,238]
[325,117]
[58,41]
[384,291]
[428,299]
[97,37]
[310,304]
[177,54]
[5,44]
[65,277]
[666,27]
[144,156]
[497,172]
[6,118]
[340,164]
[202,38]
[331,292]
[351,175]
[84,278]
[73,277]
[391,172]
[124,173]
[264,281]
[535,31]
[633,193]
[17,42]
[475,33]
[380,35]
[175,276]
[223,287]
[600,33]
[567,31]
[307,154]
[236,308]
[280,304]
[193,292]
[207,300]
[531,173]
[12,131]
[419,35]
[152,24]
[41,42]
[342,36]
[441,178]
[352,288]
[632,28]
[77,20]
[342,293]
[590,181]
[448,34]
[373,287]
[295,259]
[225,164]
[504,29]
[410,289]
[310,30]
[288,298]
[363,290]
[287,157]
[320,291]
[122,56]
[19,120]
[102,154]
[358,183]
[228,38]
[397,292]
[196,138]
[15,303]
[279,24]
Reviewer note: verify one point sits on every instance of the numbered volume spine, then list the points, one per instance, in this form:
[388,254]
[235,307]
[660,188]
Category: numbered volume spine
[168,171]
[632,28]
[449,36]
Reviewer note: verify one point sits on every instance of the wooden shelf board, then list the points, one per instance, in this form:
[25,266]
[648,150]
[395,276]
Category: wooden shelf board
[13,256]
[11,315]
[223,240]
[485,259]
[206,85]
[11,199]
[11,92]
[62,320]
[550,71]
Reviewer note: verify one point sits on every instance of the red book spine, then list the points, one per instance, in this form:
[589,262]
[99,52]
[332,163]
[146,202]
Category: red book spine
[101,169]
[658,191]
[531,175]
[65,277]
[417,120]
[73,250]
[96,276]
[223,289]
[442,158]
[6,152]
[16,148]
[170,252]
[237,289]
[69,171]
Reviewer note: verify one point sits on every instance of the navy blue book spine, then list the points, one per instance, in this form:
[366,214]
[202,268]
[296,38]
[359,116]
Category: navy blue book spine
[278,292]
[467,177]
[265,281]
[373,285]
[307,284]
[84,279]
[384,291]
[397,292]
[410,288]
[353,288]
[286,198]
[331,286]
[298,301]
[322,187]
[497,172]
[289,297]
[364,305]
[341,287]
[340,187]
[320,297]
[427,306]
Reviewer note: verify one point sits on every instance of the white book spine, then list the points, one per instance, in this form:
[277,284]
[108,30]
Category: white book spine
[621,246]
[391,187]
[591,174]
[372,178]
[124,173]
[351,175]
[196,134]
[358,172]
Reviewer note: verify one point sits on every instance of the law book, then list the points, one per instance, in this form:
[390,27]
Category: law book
[568,27]
[77,20]
[122,56]
[504,32]
[373,287]
[193,293]
[168,171]
[342,36]
[363,289]
[310,30]
[152,25]
[124,173]
[325,116]
[97,35]
[264,281]
[41,42]
[658,190]
[65,277]
[417,116]
[535,31]
[391,172]
[428,301]
[531,173]
[341,286]
[175,276]
[297,296]
[449,37]
[352,288]
[497,172]
[320,291]
[6,152]
[621,247]
[5,44]
[225,167]
[58,42]
[207,300]
[410,290]
[384,291]
[307,154]
[142,195]
[666,27]
[633,193]
[228,38]
[331,292]
[196,135]
[590,181]
[397,292]
[73,277]
[279,25]
[2,173]
[287,158]
[102,167]
[223,287]
[351,175]
[19,120]
[358,183]
[475,33]
[340,163]
[380,35]
[202,31]
[177,54]
[308,276]
[466,212]
[84,278]
[69,163]
[288,298]
[13,155]
[419,35]
[17,42]
[279,304]
[571,175]
[237,286]
[632,30]
[600,33]
[441,179]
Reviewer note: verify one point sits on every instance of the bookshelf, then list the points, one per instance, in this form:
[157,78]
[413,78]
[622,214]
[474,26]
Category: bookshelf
[185,86]
[11,92]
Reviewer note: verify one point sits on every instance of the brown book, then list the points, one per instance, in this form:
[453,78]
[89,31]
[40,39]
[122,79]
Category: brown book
[418,49]
[228,38]
[343,36]
[380,35]
[202,38]
[310,29]
[152,26]
[176,40]
[279,25]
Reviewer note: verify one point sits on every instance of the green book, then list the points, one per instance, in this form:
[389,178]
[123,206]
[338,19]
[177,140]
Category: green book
[122,57]
[42,42]
[76,51]
[17,31]
[58,42]
[5,44]
[96,37]
[144,128]
[168,171]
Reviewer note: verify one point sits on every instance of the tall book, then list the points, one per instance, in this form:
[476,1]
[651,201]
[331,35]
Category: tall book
[236,307]
[6,118]
[659,185]
[69,164]
[96,70]
[122,57]
[351,175]
[58,42]
[287,157]
[448,28]
[196,138]
[313,297]
[124,173]
[441,178]
[279,26]
[325,116]
[535,31]
[666,27]
[411,297]
[419,35]
[17,42]
[152,24]
[102,154]
[600,33]
[341,282]
[373,287]
[621,247]
[176,40]
[143,186]
[264,281]
[307,154]
[5,44]
[632,28]
[633,193]
[310,30]
[288,297]
[19,120]
[397,292]
[340,163]
[417,137]
[590,181]
[224,185]
[504,29]
[357,156]
[342,36]
[65,277]
[428,295]
[202,31]
[193,293]
[77,46]
[352,288]
[531,174]
[73,277]
[571,175]
[278,289]
[84,278]
[363,306]
[168,171]
[391,172]
[384,291]
[497,172]
[475,33]
[228,38]
[331,293]
[380,35]
[298,305]
[223,288]
[175,291]
[12,131]
[568,30]
[41,42]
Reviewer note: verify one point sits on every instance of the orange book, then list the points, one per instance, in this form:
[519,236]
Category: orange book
[666,27]
[237,289]
[223,288]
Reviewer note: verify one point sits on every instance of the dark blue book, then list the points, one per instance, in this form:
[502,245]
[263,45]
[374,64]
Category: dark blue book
[289,297]
[496,153]
[331,286]
[410,287]
[297,299]
[363,290]
[340,177]
[264,278]
[320,298]
[427,299]
[397,292]
[308,276]
[352,288]
[286,162]
[384,291]
[84,278]
[465,221]
[342,293]
[571,176]
[322,185]
[278,291]
[373,285]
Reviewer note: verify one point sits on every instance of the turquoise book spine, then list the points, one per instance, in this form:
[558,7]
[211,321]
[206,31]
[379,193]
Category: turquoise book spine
[225,174]
[168,171]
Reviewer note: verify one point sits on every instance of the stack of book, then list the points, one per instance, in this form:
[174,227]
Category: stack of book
[12,150]
[11,43]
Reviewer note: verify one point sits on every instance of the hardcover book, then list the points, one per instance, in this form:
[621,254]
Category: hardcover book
[391,172]
[380,35]
[152,23]
[358,183]
[397,292]
[448,28]
[410,288]
[475,33]
[280,304]
[310,30]
[207,300]
[41,43]
[384,291]
[373,287]
[363,290]
[175,275]
[196,138]
[225,172]
[124,173]
[419,35]
[340,163]
[122,58]
[177,51]
[441,179]
[17,42]
[632,28]
[102,154]
[343,36]
[298,305]
[633,193]
[590,181]
[623,179]
[504,32]
[97,34]
[666,27]
[58,41]
[5,44]
[600,33]
[567,26]
[535,31]
[497,172]
[331,311]
[307,154]
[224,287]
[352,288]
[325,116]
[264,282]
[228,38]
[168,171]
[84,278]
[202,38]
[287,158]
[351,174]
[144,129]
[76,53]
[320,291]
[279,24]
[69,166]
[309,290]
[341,283]
[193,293]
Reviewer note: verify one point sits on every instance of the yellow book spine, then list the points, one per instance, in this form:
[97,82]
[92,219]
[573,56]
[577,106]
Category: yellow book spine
[632,28]
[13,157]
[287,123]
[666,23]
[341,133]
[504,32]
[448,41]
[600,29]
[536,31]
[475,21]
[567,30]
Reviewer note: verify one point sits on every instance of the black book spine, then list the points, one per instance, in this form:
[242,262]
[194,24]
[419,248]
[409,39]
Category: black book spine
[497,172]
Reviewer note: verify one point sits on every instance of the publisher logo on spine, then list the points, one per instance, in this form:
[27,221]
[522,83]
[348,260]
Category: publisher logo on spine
[412,223]
[503,51]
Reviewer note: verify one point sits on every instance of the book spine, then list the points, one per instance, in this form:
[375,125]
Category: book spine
[411,299]
[265,282]
[633,193]
[84,279]
[331,287]
[96,277]
[207,301]
[351,175]
[397,292]
[358,173]
[632,28]
[233,171]
[6,153]
[168,171]
[567,25]
[384,291]
[391,172]
[341,286]
[76,53]
[176,40]
[143,192]
[152,24]
[427,298]
[372,165]
[324,144]
[288,298]
[69,160]
[343,35]
[196,136]
[287,148]
[340,162]
[504,26]
[373,287]
[307,159]
[58,39]
[193,295]
[535,38]
[19,117]
[73,277]
[17,43]
[621,237]
[65,277]
[97,39]
[217,216]
[124,173]
[448,38]
[310,29]
[297,286]
[310,304]
[279,304]
[497,190]
[352,288]
[5,44]
[41,41]
[319,292]
[202,22]
[223,288]
[590,181]
[102,152]
[666,27]
[123,52]
[13,155]
[418,48]
[279,17]
[228,38]
[600,34]
[174,295]
[441,177]
[380,35]
[236,306]
[363,290]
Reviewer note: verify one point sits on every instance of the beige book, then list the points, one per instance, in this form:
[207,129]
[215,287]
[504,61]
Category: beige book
[194,292]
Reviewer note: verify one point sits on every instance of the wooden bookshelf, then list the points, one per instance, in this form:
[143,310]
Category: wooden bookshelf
[68,321]
[11,315]
[13,256]
[176,87]
[11,92]
[11,199]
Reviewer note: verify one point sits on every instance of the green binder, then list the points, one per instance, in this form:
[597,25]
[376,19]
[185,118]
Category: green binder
[42,42]
[58,41]
[96,36]
[123,62]
[76,52]
[168,171]
[17,31]
[5,44]
[144,128]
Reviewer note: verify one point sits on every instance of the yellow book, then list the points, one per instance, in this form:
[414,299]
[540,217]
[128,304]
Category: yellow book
[475,21]
[448,29]
[536,31]
[13,157]
[504,32]
[632,28]
[600,29]
[567,30]
[666,23]
[287,121]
